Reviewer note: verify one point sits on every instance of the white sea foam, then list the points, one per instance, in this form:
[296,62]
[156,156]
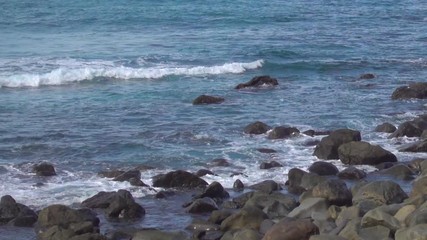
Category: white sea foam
[74,71]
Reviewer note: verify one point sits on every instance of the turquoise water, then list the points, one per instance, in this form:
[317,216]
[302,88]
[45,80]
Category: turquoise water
[92,85]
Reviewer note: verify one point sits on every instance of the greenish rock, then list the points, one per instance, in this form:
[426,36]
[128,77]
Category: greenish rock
[375,233]
[377,217]
[380,193]
[247,217]
[417,232]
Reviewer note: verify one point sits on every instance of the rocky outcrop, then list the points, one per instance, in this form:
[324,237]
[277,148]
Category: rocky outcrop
[328,146]
[288,229]
[413,128]
[363,153]
[116,204]
[259,81]
[44,169]
[178,179]
[282,132]
[205,99]
[61,222]
[202,205]
[413,90]
[323,168]
[419,146]
[215,191]
[16,214]
[256,128]
[386,128]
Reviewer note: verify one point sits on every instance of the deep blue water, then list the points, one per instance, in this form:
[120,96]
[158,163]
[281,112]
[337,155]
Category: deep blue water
[91,85]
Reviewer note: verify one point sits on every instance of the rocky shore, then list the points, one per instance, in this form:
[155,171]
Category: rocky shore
[318,203]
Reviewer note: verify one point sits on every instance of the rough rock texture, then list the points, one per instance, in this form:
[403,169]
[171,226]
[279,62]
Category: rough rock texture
[413,90]
[61,222]
[116,204]
[377,217]
[215,191]
[386,128]
[267,186]
[380,192]
[16,214]
[242,234]
[44,169]
[363,153]
[310,207]
[256,128]
[258,82]
[328,146]
[178,179]
[126,176]
[282,132]
[238,185]
[351,173]
[323,168]
[335,191]
[420,146]
[205,99]
[399,171]
[202,205]
[268,165]
[287,229]
[248,217]
[367,76]
[418,232]
[412,128]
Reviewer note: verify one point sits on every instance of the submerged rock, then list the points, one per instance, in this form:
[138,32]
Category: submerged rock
[258,82]
[366,76]
[413,90]
[256,128]
[282,132]
[178,179]
[205,99]
[268,165]
[386,128]
[44,169]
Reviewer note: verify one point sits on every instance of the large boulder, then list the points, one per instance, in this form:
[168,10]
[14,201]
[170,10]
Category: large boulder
[258,81]
[178,179]
[283,203]
[352,173]
[418,232]
[247,217]
[335,191]
[380,193]
[16,214]
[419,146]
[377,217]
[266,186]
[328,146]
[61,222]
[363,153]
[310,207]
[44,169]
[126,176]
[202,205]
[288,229]
[413,90]
[116,204]
[205,99]
[399,171]
[242,234]
[256,128]
[295,176]
[215,191]
[323,168]
[419,186]
[386,128]
[413,128]
[282,132]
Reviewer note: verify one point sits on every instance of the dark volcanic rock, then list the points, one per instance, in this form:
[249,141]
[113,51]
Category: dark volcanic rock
[282,132]
[413,90]
[258,82]
[116,204]
[380,193]
[256,128]
[202,205]
[399,171]
[178,179]
[323,168]
[295,176]
[268,165]
[220,162]
[361,153]
[386,128]
[238,185]
[420,146]
[351,173]
[111,174]
[266,150]
[62,222]
[367,76]
[215,190]
[412,128]
[128,175]
[334,191]
[203,172]
[137,182]
[205,99]
[44,169]
[16,214]
[328,146]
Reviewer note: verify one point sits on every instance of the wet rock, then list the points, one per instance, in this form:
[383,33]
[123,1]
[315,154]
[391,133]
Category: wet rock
[164,194]
[118,204]
[137,182]
[154,234]
[287,229]
[377,217]
[111,174]
[205,99]
[379,193]
[335,191]
[323,168]
[282,132]
[363,153]
[238,185]
[328,146]
[385,165]
[413,90]
[351,173]
[420,146]
[282,203]
[215,191]
[259,81]
[202,205]
[203,172]
[266,150]
[220,162]
[178,179]
[266,186]
[201,225]
[399,171]
[248,217]
[268,165]
[256,128]
[217,216]
[310,207]
[128,175]
[16,214]
[412,128]
[386,128]
[367,76]
[44,169]
[62,222]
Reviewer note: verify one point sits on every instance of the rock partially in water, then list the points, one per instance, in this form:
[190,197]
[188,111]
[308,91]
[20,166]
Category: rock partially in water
[266,150]
[126,176]
[328,147]
[178,179]
[323,168]
[414,90]
[283,132]
[215,190]
[420,146]
[256,128]
[367,76]
[44,169]
[386,128]
[16,214]
[238,185]
[203,172]
[202,205]
[259,81]
[363,153]
[205,99]
[267,186]
[268,165]
[399,171]
[352,173]
[413,128]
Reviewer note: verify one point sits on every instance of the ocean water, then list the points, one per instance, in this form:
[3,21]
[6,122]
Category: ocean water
[96,85]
